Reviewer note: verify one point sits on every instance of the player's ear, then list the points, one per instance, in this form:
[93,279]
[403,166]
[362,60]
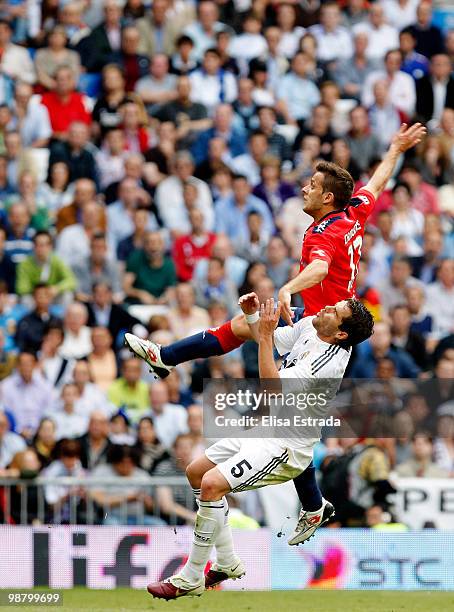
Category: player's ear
[341,335]
[328,198]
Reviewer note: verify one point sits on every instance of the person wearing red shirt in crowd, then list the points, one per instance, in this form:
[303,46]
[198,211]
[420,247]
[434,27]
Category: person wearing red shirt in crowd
[65,105]
[189,248]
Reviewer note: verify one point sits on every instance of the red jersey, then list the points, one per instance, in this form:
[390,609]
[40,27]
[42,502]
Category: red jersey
[337,238]
[63,114]
[187,251]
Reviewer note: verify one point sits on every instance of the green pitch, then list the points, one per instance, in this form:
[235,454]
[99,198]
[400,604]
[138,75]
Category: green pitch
[241,601]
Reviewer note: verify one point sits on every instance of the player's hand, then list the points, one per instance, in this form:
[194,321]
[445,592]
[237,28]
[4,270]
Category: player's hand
[269,318]
[249,303]
[408,137]
[285,299]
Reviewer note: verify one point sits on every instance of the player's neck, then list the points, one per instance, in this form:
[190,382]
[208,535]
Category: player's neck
[327,339]
[318,215]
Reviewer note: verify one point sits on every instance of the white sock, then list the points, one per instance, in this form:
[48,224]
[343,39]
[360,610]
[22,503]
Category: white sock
[225,554]
[209,522]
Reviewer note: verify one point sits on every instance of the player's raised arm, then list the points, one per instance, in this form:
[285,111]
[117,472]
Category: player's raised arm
[269,318]
[404,139]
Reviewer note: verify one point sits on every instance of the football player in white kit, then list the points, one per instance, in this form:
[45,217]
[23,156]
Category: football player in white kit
[318,348]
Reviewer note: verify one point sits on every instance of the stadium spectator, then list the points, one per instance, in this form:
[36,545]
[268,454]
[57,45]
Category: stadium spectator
[151,451]
[405,337]
[96,49]
[129,392]
[103,312]
[428,36]
[377,347]
[421,463]
[415,64]
[402,93]
[74,242]
[68,422]
[102,361]
[185,317]
[26,395]
[64,104]
[212,85]
[7,267]
[435,91]
[224,127]
[392,290]
[124,503]
[190,248]
[57,191]
[75,151]
[77,342]
[30,118]
[44,441]
[158,30]
[216,287]
[58,497]
[382,37]
[95,444]
[158,87]
[333,40]
[15,60]
[440,299]
[169,194]
[53,56]
[10,444]
[150,274]
[174,502]
[44,266]
[170,420]
[33,326]
[84,192]
[297,95]
[56,369]
[99,267]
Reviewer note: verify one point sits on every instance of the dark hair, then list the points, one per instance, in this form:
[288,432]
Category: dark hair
[359,325]
[184,39]
[337,181]
[118,452]
[212,51]
[68,448]
[39,286]
[408,30]
[41,233]
[422,434]
[400,184]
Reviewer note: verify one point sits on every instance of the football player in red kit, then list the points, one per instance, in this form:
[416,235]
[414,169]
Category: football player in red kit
[329,261]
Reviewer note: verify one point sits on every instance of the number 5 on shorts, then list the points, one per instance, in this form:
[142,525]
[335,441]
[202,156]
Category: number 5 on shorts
[238,470]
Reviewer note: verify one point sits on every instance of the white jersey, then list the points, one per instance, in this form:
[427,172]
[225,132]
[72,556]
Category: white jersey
[309,357]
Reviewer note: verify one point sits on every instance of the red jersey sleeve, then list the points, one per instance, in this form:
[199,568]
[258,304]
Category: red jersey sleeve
[361,205]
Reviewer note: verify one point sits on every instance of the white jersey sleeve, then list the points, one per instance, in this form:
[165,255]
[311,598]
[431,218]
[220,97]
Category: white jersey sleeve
[329,363]
[286,337]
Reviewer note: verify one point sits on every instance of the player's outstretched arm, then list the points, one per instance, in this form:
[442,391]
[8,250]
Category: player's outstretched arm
[312,274]
[404,139]
[269,318]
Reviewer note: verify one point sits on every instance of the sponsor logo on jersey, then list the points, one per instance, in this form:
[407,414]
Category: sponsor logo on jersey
[321,227]
[319,252]
[349,235]
[359,199]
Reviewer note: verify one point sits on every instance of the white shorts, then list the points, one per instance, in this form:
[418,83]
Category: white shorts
[251,463]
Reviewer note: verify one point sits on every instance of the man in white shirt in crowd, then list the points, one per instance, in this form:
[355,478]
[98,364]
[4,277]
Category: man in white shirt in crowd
[68,422]
[382,36]
[210,84]
[170,420]
[402,91]
[440,299]
[333,40]
[31,118]
[169,194]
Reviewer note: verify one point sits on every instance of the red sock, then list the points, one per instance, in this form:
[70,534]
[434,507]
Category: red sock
[226,337]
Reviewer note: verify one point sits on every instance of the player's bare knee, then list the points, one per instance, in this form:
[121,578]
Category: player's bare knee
[194,474]
[212,486]
[240,328]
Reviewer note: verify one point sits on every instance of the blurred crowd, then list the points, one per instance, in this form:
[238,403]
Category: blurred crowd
[151,160]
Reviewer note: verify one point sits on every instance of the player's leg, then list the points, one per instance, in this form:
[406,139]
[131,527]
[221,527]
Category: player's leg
[315,510]
[211,342]
[211,526]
